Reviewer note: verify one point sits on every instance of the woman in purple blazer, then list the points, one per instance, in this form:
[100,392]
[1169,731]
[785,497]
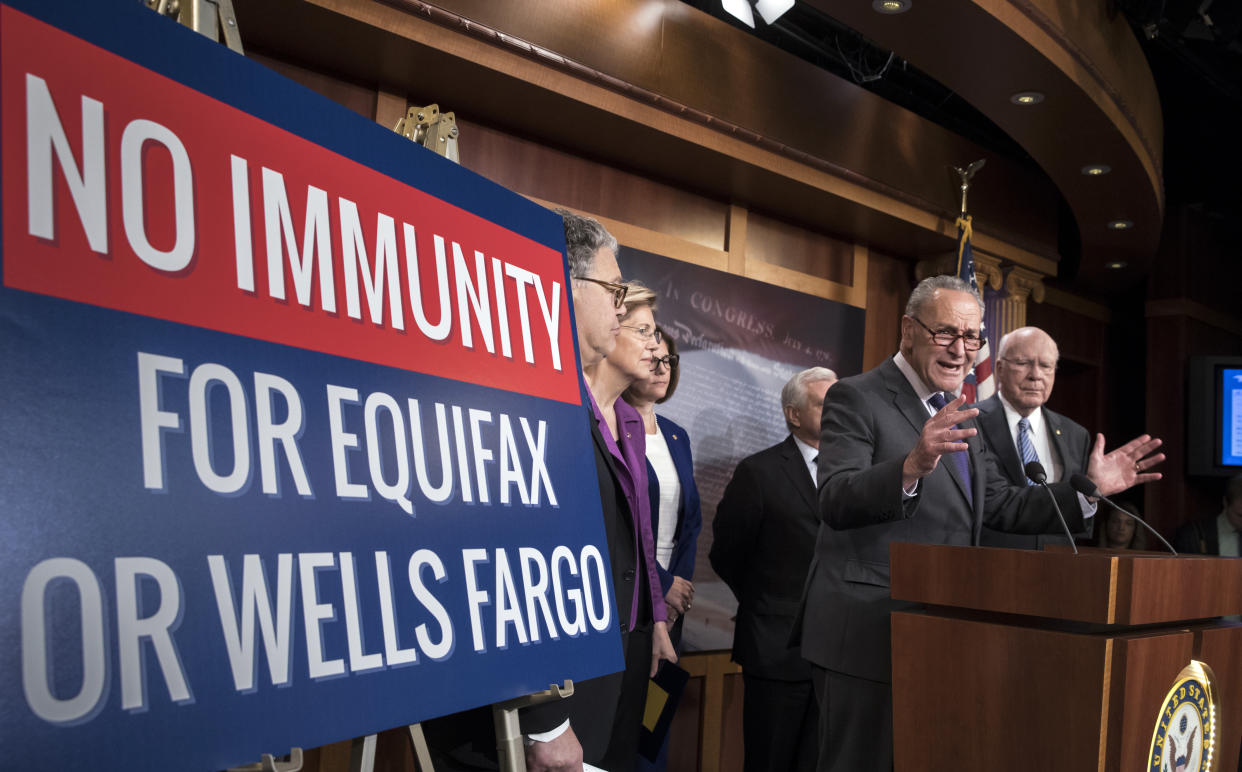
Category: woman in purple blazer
[675,516]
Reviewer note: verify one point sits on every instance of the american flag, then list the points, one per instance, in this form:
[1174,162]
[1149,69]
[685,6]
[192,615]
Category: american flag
[979,384]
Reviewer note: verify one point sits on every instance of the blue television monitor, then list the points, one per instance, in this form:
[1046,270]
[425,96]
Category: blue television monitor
[1231,415]
[1214,413]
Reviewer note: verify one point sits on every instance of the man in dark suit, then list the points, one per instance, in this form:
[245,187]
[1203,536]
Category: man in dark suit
[764,534]
[1014,423]
[899,461]
[600,722]
[1215,534]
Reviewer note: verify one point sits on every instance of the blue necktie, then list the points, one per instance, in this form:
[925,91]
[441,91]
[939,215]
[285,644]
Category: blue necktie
[959,458]
[1026,446]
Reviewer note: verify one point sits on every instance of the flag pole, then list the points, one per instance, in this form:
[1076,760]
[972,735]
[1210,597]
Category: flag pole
[979,384]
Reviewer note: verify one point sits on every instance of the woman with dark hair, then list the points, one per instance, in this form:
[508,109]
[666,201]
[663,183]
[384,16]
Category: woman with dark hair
[1119,531]
[675,515]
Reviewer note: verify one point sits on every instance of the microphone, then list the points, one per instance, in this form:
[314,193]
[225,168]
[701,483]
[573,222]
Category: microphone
[1035,472]
[1083,484]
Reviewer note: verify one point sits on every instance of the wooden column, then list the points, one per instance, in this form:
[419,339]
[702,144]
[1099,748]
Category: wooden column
[1020,284]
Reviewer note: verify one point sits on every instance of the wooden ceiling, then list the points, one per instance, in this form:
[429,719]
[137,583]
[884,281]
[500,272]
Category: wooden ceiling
[1100,104]
[660,88]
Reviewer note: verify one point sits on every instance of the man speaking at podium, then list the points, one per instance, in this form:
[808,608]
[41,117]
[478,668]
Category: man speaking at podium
[900,462]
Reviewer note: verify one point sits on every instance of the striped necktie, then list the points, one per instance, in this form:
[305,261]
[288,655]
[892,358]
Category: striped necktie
[1026,446]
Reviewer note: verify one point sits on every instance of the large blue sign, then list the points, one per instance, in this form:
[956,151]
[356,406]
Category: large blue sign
[293,441]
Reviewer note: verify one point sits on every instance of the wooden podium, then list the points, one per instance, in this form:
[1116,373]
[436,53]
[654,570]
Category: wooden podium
[1046,661]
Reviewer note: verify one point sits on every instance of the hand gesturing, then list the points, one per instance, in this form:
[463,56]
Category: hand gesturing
[1126,466]
[939,436]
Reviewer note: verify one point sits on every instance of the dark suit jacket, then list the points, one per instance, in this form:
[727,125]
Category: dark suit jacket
[466,739]
[689,515]
[1070,441]
[1198,537]
[764,536]
[870,423]
[591,708]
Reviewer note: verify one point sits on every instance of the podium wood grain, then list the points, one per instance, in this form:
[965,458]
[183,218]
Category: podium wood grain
[1042,660]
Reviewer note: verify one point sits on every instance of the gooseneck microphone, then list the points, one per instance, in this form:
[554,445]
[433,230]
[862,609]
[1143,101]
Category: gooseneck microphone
[1035,471]
[1083,484]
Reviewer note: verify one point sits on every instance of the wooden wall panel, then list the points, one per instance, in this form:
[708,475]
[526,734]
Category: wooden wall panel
[1083,341]
[359,98]
[779,243]
[534,169]
[889,282]
[1180,497]
[1192,309]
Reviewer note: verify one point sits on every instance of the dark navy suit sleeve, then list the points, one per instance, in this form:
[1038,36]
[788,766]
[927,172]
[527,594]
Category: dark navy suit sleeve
[689,514]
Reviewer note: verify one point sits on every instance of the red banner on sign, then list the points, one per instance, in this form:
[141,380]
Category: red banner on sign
[127,190]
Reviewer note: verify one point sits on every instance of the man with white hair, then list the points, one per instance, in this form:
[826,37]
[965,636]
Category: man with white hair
[764,535]
[900,462]
[1019,429]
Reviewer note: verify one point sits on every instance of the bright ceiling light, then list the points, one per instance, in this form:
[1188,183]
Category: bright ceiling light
[1120,225]
[891,6]
[771,10]
[1116,265]
[1026,98]
[740,10]
[1096,170]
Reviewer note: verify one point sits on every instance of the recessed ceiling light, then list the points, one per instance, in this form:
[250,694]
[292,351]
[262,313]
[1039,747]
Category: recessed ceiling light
[740,10]
[1120,225]
[891,6]
[1027,98]
[1096,170]
[1116,265]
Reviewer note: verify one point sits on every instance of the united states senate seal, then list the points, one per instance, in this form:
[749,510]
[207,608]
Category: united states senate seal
[1185,733]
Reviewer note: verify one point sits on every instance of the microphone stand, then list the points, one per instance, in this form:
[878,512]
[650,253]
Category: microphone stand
[1083,485]
[1035,472]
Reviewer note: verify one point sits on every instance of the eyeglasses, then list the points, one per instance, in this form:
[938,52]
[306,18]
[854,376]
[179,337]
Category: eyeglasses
[618,291]
[645,332]
[1027,364]
[946,338]
[668,362]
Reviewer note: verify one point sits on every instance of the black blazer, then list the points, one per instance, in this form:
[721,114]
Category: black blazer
[870,423]
[1198,537]
[469,737]
[1070,441]
[763,540]
[594,702]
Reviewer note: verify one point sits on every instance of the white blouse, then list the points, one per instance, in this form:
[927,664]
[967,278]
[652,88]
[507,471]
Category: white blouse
[670,496]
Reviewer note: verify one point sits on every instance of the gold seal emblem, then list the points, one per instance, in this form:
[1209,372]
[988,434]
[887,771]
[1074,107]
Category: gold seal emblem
[1185,733]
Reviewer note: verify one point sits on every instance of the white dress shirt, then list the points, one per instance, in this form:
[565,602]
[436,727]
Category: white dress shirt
[809,455]
[1048,456]
[670,496]
[1226,536]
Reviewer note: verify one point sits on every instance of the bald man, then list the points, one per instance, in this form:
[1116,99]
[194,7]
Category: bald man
[1018,428]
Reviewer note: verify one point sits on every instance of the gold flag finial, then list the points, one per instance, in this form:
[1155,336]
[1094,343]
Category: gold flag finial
[966,175]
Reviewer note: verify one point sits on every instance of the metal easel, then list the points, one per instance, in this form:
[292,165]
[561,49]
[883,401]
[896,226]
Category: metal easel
[212,18]
[432,129]
[510,751]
